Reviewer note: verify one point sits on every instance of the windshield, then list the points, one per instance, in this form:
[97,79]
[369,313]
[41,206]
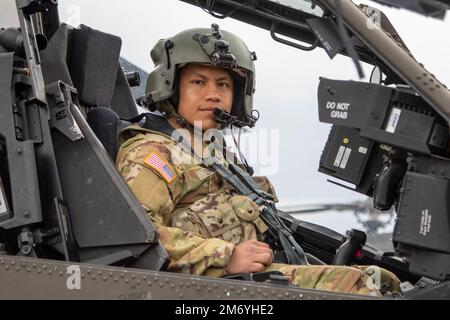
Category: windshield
[8,14]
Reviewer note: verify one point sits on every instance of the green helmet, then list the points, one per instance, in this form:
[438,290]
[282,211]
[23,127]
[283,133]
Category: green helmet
[205,46]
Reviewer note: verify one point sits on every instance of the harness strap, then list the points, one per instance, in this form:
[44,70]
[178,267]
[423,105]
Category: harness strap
[243,184]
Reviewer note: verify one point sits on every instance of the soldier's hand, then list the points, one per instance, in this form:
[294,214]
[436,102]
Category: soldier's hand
[250,256]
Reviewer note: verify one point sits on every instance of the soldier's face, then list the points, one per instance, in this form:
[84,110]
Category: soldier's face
[203,88]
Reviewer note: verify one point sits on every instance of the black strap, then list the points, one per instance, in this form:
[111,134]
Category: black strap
[158,123]
[243,184]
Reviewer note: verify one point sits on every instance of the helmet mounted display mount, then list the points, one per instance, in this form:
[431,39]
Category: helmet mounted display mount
[220,55]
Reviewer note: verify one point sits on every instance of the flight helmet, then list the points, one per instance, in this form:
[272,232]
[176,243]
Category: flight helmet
[204,46]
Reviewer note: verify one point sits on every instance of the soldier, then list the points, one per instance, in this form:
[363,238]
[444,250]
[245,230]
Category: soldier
[206,227]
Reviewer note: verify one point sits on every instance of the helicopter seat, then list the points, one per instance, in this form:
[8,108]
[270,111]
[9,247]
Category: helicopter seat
[109,225]
[106,125]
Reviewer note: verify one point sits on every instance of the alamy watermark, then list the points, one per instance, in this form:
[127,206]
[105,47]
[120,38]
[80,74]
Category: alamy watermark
[260,147]
[73,282]
[374,18]
[374,278]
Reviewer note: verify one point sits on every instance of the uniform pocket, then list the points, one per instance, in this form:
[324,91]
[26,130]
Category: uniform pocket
[218,217]
[248,211]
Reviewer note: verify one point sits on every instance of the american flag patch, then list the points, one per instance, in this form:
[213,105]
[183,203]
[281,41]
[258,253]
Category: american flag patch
[156,163]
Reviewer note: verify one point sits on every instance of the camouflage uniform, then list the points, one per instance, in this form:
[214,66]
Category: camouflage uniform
[200,218]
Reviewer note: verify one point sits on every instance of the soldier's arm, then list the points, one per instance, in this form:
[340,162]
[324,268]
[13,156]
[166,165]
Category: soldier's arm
[158,193]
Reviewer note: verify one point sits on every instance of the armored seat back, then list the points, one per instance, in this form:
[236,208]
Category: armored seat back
[106,125]
[109,225]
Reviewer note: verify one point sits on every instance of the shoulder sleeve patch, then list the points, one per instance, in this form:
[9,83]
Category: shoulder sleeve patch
[159,165]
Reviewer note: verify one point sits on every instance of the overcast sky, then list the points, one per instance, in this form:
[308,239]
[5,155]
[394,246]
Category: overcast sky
[287,79]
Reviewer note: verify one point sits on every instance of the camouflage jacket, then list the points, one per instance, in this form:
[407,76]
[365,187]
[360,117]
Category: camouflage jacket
[199,217]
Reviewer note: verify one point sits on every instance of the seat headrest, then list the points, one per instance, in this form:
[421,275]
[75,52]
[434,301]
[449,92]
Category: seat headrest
[106,125]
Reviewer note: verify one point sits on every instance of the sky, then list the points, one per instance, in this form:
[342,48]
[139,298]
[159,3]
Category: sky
[286,83]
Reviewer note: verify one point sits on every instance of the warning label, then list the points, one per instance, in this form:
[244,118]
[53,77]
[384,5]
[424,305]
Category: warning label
[393,120]
[342,157]
[339,110]
[425,223]
[3,208]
